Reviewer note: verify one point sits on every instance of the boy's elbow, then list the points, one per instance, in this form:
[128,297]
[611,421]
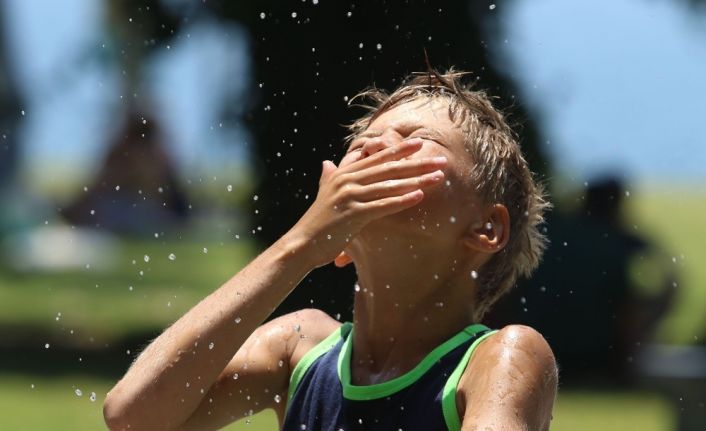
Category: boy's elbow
[122,413]
[118,415]
[112,414]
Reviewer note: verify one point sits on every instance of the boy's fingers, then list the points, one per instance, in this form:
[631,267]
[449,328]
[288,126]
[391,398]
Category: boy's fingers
[391,205]
[399,170]
[394,152]
[390,188]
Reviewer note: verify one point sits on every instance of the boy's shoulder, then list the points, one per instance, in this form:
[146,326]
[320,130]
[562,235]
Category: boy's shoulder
[514,367]
[305,329]
[514,346]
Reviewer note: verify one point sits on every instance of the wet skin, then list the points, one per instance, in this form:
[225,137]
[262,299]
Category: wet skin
[400,207]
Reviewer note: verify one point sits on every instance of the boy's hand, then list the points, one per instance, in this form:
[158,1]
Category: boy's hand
[351,196]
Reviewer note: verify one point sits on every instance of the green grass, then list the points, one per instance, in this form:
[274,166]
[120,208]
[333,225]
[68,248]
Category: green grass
[674,219]
[40,403]
[53,404]
[112,303]
[611,411]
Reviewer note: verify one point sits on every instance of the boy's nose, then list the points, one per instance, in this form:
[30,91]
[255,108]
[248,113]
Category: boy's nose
[374,145]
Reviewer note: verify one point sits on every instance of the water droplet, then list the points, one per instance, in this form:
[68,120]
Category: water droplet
[303,426]
[235,376]
[92,397]
[328,236]
[22,112]
[356,288]
[627,193]
[474,274]
[93,212]
[210,345]
[117,188]
[31,386]
[172,256]
[523,300]
[205,250]
[294,14]
[78,392]
[229,187]
[452,219]
[488,226]
[278,398]
[46,345]
[297,328]
[262,15]
[491,7]
[378,46]
[280,363]
[238,320]
[147,258]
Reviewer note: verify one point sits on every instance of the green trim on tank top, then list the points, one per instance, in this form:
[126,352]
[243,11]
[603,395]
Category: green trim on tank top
[448,400]
[312,355]
[380,390]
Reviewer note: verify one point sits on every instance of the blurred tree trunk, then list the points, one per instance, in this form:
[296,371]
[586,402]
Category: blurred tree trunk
[10,113]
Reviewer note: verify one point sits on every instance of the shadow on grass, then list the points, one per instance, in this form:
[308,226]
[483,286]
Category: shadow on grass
[23,350]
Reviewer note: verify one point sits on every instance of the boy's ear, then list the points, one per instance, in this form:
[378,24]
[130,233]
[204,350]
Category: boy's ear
[342,260]
[491,233]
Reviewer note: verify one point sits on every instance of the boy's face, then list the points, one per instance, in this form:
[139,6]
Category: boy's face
[451,202]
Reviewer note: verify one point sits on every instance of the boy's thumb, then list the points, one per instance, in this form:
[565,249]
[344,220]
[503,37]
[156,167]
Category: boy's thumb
[327,167]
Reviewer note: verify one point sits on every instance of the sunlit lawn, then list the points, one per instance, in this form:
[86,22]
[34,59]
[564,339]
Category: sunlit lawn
[40,403]
[675,218]
[108,304]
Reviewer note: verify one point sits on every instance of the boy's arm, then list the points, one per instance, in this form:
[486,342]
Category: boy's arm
[510,383]
[163,387]
[169,380]
[258,376]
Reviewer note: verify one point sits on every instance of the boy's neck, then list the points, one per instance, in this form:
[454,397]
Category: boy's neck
[408,301]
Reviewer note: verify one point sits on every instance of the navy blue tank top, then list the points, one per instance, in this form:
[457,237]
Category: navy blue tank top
[321,396]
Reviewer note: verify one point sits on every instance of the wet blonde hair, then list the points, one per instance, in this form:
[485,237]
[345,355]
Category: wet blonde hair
[500,175]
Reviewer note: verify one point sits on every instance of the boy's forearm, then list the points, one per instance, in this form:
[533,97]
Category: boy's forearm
[164,385]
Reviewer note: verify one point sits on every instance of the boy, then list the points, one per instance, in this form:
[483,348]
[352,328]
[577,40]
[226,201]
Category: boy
[435,206]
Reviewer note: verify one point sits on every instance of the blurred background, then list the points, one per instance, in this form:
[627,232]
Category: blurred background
[149,149]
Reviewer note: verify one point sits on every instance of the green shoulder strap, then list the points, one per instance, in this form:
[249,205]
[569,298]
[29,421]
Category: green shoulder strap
[380,390]
[448,400]
[312,355]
